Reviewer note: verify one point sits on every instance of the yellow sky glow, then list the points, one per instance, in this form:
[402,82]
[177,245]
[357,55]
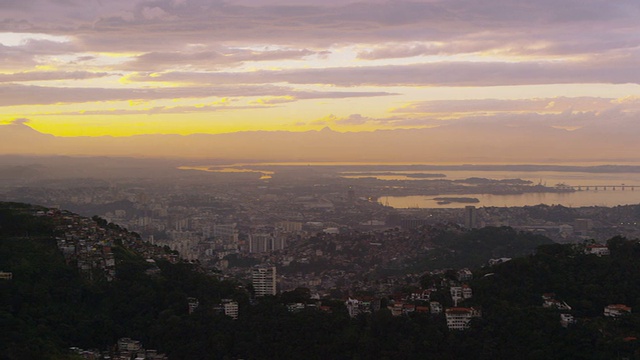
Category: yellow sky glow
[128,68]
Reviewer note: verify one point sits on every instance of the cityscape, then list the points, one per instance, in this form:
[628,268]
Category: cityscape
[316,237]
[294,179]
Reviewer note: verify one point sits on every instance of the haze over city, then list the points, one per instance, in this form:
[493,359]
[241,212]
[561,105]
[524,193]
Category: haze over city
[335,179]
[276,80]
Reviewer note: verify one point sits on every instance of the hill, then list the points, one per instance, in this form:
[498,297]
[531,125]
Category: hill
[50,304]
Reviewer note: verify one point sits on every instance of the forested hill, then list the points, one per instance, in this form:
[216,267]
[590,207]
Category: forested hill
[48,306]
[514,319]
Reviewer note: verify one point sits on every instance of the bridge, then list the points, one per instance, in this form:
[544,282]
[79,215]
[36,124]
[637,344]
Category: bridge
[604,187]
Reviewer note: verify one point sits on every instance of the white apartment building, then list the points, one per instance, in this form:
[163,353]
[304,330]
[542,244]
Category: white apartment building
[264,280]
[459,318]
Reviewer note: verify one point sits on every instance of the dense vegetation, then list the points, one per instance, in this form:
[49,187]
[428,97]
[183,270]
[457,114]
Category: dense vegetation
[457,249]
[510,296]
[47,307]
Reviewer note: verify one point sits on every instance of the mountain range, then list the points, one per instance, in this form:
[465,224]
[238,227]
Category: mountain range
[486,143]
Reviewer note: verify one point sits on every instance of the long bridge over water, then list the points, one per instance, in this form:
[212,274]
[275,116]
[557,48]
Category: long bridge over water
[597,187]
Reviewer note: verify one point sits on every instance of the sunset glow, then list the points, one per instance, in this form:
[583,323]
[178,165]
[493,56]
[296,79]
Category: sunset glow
[122,68]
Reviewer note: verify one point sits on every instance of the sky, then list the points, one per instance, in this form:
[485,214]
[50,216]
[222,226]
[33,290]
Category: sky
[120,68]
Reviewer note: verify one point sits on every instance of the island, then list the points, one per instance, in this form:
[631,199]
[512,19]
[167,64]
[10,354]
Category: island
[449,200]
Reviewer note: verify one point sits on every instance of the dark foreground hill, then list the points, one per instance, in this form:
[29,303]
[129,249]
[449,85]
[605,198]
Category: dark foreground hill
[48,306]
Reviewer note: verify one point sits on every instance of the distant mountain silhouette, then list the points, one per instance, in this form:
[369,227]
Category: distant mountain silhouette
[496,143]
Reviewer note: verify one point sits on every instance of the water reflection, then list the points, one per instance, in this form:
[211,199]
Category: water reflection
[265,174]
[608,198]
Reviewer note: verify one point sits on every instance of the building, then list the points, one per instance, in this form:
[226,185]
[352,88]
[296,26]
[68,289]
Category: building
[230,308]
[289,226]
[470,217]
[356,307]
[264,280]
[597,249]
[261,243]
[6,275]
[456,294]
[436,307]
[193,304]
[550,302]
[424,295]
[493,262]
[615,310]
[460,318]
[127,344]
[467,293]
[464,275]
[566,320]
[226,231]
[460,293]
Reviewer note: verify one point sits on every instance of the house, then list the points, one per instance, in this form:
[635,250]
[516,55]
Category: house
[436,307]
[193,304]
[230,308]
[396,309]
[615,310]
[424,295]
[597,249]
[295,307]
[550,302]
[493,262]
[127,344]
[456,292]
[467,293]
[459,318]
[464,275]
[566,320]
[355,307]
[460,292]
[408,308]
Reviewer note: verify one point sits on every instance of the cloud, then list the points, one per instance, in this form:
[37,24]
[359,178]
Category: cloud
[210,59]
[17,122]
[391,122]
[157,110]
[163,25]
[616,71]
[276,52]
[50,75]
[354,119]
[12,94]
[392,51]
[490,106]
[590,114]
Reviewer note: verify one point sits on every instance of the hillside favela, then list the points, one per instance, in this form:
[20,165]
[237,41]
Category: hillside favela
[337,179]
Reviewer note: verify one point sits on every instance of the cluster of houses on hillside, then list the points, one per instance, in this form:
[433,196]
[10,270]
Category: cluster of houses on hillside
[90,246]
[420,302]
[124,349]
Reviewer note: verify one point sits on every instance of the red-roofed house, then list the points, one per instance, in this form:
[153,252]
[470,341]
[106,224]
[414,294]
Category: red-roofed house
[615,310]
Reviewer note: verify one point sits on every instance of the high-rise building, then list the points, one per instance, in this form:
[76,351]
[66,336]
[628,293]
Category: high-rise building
[470,217]
[259,243]
[227,232]
[264,280]
[289,226]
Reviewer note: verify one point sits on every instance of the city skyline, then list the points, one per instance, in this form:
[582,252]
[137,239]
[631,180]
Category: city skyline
[550,81]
